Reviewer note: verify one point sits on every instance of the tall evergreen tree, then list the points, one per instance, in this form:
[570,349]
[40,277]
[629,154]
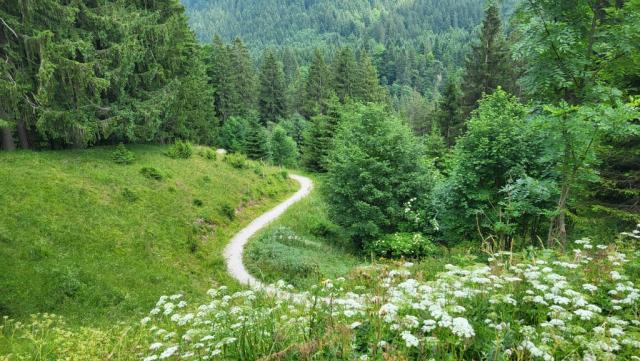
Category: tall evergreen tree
[369,89]
[243,79]
[318,139]
[488,66]
[222,81]
[272,97]
[345,74]
[317,87]
[449,114]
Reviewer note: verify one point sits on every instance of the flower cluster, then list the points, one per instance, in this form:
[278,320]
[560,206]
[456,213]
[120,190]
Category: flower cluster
[539,305]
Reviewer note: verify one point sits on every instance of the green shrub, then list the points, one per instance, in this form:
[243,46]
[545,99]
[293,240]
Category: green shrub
[209,154]
[237,160]
[121,155]
[374,171]
[180,150]
[129,195]
[228,211]
[407,245]
[152,173]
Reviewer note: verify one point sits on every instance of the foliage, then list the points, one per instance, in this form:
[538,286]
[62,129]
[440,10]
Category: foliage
[122,155]
[152,173]
[319,136]
[375,167]
[493,162]
[233,135]
[271,98]
[237,160]
[180,150]
[403,245]
[283,149]
[257,144]
[110,71]
[489,64]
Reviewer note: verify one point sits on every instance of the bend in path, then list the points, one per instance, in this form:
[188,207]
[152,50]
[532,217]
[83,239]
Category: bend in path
[234,250]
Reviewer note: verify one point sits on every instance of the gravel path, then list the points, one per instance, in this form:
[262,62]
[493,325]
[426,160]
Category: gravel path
[235,248]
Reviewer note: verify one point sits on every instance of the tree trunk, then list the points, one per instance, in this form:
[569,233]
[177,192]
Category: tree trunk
[23,135]
[7,139]
[558,227]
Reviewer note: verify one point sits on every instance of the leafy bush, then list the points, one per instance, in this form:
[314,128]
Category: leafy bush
[152,173]
[406,245]
[180,150]
[208,153]
[494,182]
[236,160]
[229,211]
[121,155]
[284,150]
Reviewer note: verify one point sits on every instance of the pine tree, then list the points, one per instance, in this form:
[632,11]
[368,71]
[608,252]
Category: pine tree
[317,87]
[244,79]
[369,89]
[449,114]
[272,97]
[257,142]
[488,66]
[284,150]
[222,79]
[345,74]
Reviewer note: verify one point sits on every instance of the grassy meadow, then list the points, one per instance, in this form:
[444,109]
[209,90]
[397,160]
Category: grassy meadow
[98,242]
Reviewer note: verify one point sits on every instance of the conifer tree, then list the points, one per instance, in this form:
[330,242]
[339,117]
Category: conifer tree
[222,79]
[272,97]
[319,137]
[369,89]
[345,74]
[449,115]
[244,79]
[317,87]
[488,66]
[257,142]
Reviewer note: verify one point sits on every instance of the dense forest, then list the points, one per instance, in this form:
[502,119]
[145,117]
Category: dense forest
[438,132]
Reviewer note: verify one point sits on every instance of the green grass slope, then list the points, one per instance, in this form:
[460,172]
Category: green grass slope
[92,240]
[303,246]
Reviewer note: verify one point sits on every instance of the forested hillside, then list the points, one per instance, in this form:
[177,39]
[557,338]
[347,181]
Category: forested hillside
[413,43]
[469,179]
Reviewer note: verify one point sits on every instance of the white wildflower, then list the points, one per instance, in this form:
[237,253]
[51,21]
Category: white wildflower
[409,339]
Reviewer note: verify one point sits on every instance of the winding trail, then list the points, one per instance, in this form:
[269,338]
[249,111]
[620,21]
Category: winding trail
[234,250]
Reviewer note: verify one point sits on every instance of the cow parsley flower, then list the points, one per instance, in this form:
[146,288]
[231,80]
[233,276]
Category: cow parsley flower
[409,339]
[461,327]
[168,352]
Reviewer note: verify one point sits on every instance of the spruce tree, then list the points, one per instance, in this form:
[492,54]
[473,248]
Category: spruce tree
[317,87]
[318,140]
[369,89]
[222,79]
[257,142]
[488,66]
[345,77]
[243,79]
[449,114]
[272,97]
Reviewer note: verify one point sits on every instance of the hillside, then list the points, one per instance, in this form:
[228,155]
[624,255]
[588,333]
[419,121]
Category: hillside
[87,238]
